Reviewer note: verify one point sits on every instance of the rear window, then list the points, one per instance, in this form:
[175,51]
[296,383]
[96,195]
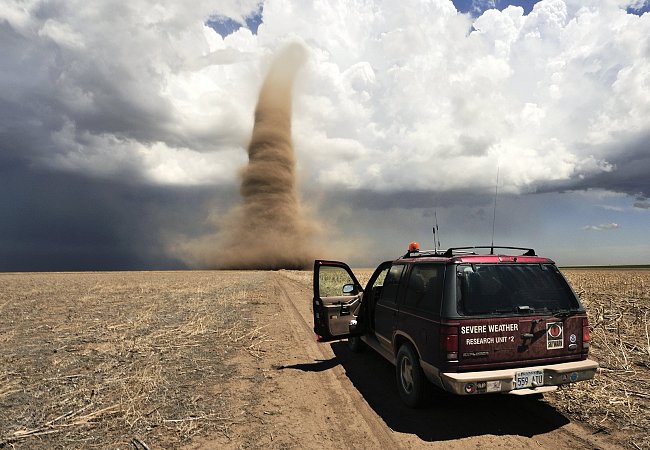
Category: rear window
[503,289]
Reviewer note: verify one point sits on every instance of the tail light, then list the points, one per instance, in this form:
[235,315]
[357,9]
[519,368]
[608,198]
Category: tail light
[449,342]
[585,333]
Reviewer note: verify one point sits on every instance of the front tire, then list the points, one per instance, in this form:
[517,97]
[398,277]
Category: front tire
[412,384]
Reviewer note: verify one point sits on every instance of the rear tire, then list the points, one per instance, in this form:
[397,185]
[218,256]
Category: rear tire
[356,345]
[412,384]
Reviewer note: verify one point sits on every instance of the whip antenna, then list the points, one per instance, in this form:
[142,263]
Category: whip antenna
[436,244]
[494,213]
[435,248]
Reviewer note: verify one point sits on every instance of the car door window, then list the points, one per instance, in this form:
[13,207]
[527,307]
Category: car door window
[391,284]
[331,280]
[424,289]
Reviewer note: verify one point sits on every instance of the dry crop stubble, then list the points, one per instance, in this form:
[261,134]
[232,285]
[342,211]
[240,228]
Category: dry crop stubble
[617,400]
[101,360]
[117,360]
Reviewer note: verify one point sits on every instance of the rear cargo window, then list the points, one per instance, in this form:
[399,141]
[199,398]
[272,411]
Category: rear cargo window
[502,289]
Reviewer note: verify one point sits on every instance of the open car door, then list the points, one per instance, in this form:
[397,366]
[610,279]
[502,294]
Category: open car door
[337,297]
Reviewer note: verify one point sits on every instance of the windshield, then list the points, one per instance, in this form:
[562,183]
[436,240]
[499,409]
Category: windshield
[522,288]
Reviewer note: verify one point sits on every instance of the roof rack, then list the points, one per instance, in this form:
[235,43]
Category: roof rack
[464,250]
[458,251]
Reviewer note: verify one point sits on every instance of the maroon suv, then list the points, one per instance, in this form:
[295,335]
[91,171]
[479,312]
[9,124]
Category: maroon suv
[469,323]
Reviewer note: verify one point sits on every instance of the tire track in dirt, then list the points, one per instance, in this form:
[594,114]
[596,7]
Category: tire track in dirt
[343,396]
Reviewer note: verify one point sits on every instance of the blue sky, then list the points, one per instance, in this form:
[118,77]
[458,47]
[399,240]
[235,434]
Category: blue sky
[122,135]
[225,25]
[477,7]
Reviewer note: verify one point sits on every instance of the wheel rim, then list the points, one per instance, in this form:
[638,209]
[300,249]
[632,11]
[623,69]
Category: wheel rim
[406,373]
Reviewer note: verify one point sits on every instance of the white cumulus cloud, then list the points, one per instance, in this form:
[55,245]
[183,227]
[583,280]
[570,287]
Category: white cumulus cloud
[601,227]
[396,95]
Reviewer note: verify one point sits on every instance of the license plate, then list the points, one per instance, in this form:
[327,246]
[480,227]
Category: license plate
[529,378]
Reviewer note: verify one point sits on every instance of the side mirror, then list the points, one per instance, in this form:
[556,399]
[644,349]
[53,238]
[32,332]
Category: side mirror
[349,289]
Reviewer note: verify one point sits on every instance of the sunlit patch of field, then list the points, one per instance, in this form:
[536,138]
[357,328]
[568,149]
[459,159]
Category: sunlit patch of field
[101,360]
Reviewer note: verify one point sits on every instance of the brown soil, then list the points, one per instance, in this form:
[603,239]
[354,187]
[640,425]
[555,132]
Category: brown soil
[227,360]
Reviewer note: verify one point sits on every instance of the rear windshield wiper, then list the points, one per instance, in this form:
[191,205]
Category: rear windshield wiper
[562,313]
[523,309]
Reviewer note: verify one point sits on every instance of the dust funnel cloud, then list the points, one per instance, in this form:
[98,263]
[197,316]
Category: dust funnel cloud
[268,230]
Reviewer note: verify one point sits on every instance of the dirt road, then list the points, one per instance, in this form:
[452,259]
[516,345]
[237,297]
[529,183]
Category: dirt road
[302,394]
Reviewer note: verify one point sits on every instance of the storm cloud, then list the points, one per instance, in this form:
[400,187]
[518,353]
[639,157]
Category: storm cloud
[123,127]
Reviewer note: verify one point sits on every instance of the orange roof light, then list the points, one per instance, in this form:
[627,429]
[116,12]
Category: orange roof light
[414,247]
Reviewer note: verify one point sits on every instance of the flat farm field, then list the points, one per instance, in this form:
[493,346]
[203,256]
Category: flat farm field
[617,400]
[226,359]
[116,360]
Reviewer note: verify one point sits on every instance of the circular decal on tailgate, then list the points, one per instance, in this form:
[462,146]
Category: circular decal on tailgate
[573,338]
[555,331]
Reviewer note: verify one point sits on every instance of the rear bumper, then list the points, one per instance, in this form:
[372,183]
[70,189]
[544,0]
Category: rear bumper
[493,381]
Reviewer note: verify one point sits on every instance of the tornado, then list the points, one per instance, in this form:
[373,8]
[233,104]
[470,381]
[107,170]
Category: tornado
[268,230]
